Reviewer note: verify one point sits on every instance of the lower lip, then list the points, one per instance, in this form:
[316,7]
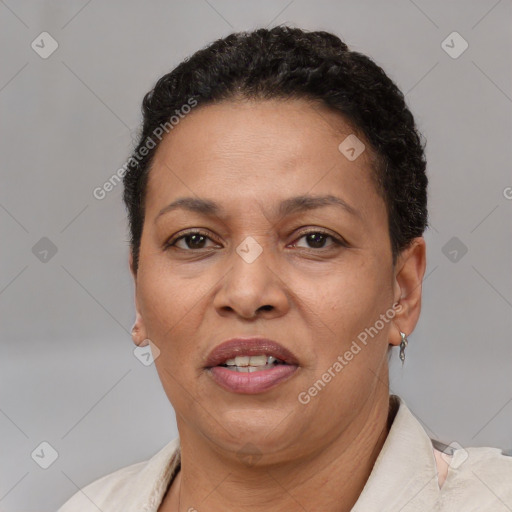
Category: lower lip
[251,383]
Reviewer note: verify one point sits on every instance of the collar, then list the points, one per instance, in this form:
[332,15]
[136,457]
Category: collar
[153,480]
[404,476]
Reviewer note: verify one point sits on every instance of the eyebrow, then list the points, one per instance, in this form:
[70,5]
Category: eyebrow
[288,206]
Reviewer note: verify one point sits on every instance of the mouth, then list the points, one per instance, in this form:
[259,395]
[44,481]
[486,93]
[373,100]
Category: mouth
[250,365]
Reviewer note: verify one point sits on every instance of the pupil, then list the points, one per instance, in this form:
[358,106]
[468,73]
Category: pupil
[194,239]
[314,238]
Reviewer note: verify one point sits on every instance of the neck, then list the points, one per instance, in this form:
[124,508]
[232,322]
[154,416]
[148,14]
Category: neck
[330,481]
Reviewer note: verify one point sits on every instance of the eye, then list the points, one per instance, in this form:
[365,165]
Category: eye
[316,239]
[192,240]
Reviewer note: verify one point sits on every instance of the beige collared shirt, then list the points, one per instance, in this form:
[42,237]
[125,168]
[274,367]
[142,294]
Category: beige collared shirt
[406,477]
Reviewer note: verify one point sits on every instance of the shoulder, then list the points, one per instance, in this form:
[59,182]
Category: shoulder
[117,490]
[467,478]
[480,477]
[485,462]
[103,489]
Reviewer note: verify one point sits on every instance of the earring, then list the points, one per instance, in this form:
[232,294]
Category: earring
[403,344]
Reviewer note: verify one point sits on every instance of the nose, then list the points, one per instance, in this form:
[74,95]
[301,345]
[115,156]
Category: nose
[252,288]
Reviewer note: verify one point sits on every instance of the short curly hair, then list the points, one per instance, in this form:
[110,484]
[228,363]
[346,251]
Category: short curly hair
[287,63]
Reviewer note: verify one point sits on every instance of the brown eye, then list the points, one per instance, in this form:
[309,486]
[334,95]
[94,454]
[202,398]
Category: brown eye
[317,239]
[193,240]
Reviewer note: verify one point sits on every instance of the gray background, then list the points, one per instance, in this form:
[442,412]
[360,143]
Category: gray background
[68,372]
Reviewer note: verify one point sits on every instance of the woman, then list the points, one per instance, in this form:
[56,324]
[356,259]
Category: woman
[277,200]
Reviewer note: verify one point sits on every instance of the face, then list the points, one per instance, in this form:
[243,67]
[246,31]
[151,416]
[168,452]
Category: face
[312,275]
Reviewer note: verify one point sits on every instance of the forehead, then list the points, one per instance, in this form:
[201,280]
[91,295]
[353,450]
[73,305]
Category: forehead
[236,150]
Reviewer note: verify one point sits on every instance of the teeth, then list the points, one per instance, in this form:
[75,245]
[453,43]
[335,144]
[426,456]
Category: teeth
[258,360]
[242,360]
[250,363]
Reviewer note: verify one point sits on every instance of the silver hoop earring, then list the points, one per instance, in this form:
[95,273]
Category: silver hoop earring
[403,344]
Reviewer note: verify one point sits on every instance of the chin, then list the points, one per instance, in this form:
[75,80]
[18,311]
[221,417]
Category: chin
[269,431]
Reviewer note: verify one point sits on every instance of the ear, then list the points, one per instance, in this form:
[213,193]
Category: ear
[139,333]
[408,279]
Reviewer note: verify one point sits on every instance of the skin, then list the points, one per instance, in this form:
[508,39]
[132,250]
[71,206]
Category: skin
[248,156]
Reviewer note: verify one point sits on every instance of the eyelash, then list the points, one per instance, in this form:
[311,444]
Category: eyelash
[172,242]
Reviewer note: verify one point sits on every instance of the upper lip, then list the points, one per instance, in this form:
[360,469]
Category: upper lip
[233,347]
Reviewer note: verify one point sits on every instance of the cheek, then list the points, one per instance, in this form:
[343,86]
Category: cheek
[350,358]
[344,299]
[172,315]
[166,296]
[169,307]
